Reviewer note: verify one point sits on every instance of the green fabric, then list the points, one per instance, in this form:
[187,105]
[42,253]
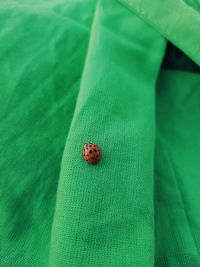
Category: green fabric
[175,20]
[101,71]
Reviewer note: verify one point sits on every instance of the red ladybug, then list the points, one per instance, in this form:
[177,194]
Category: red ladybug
[91,153]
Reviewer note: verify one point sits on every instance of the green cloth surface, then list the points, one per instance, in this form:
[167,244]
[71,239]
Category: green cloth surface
[124,75]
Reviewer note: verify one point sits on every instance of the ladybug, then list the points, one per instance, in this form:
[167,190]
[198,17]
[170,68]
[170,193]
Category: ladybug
[91,153]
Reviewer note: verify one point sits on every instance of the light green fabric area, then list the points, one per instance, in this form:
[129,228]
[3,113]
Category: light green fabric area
[79,71]
[175,20]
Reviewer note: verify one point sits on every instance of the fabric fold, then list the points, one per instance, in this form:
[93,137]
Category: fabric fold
[104,214]
[177,216]
[177,21]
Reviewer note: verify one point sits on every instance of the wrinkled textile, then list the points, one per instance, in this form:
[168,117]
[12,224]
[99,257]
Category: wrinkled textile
[125,75]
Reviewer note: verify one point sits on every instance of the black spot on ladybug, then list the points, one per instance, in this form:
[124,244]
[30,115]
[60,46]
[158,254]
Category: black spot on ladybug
[90,151]
[95,150]
[92,157]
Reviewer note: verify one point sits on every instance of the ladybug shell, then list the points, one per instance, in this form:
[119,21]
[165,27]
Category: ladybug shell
[91,153]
